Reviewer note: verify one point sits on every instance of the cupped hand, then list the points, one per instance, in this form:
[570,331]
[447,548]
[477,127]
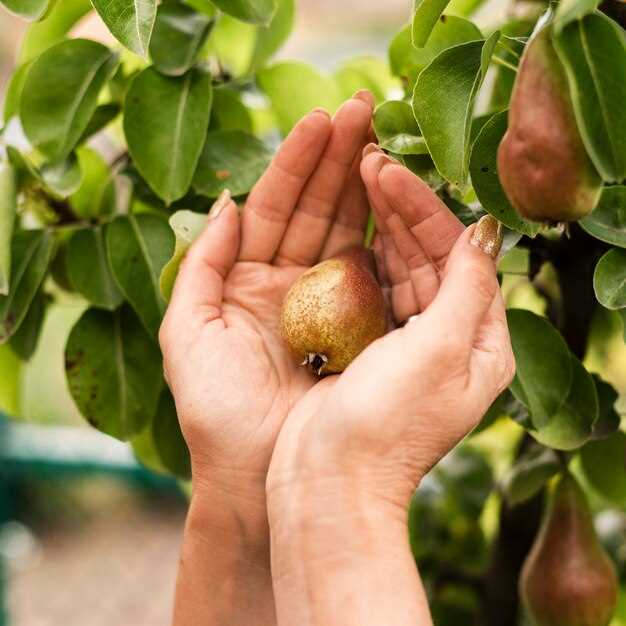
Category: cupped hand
[232,377]
[414,394]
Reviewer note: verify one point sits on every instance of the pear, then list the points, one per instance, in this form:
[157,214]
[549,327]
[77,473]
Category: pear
[568,579]
[334,311]
[542,162]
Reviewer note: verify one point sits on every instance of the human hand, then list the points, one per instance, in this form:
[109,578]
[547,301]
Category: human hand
[232,377]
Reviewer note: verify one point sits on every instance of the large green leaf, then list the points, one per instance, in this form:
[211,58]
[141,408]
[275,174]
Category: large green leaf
[609,279]
[443,102]
[187,226]
[31,251]
[607,222]
[28,9]
[88,270]
[604,467]
[130,21]
[60,94]
[24,341]
[270,38]
[544,365]
[13,92]
[232,160]
[8,207]
[165,122]
[397,130]
[572,425]
[139,246]
[229,112]
[102,117]
[168,439]
[529,474]
[427,12]
[484,173]
[114,371]
[609,419]
[294,89]
[407,62]
[96,194]
[570,10]
[179,33]
[52,30]
[593,51]
[252,11]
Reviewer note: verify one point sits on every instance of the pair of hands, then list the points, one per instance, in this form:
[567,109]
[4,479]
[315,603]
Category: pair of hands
[256,423]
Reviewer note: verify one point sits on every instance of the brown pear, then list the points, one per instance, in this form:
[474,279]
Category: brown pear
[334,311]
[542,163]
[568,579]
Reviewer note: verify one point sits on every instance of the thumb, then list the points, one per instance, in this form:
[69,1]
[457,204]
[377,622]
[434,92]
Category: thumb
[200,280]
[470,283]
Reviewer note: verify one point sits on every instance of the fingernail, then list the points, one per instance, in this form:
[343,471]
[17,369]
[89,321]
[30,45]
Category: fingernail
[369,148]
[321,110]
[488,236]
[365,96]
[219,204]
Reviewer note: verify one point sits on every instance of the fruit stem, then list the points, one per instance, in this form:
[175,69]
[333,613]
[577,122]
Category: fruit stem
[504,63]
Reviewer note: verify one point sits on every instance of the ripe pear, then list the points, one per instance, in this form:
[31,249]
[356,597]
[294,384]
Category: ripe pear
[334,311]
[542,162]
[568,579]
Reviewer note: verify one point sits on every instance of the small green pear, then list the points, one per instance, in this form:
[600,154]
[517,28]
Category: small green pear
[542,162]
[568,578]
[334,311]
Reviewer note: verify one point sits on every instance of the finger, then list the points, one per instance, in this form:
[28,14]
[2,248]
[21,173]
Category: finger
[275,196]
[429,219]
[350,223]
[311,221]
[466,294]
[403,301]
[198,290]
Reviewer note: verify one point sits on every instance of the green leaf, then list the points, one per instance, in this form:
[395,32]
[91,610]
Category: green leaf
[203,6]
[96,194]
[253,11]
[593,52]
[427,12]
[168,438]
[604,467]
[570,10]
[187,226]
[609,279]
[31,252]
[407,62]
[397,130]
[231,159]
[544,365]
[139,246]
[32,10]
[24,341]
[165,122]
[8,208]
[294,89]
[443,102]
[623,316]
[228,111]
[179,33]
[368,73]
[572,425]
[114,371]
[607,222]
[64,177]
[609,419]
[529,474]
[60,94]
[14,92]
[233,60]
[130,22]
[101,118]
[270,38]
[484,173]
[88,270]
[45,34]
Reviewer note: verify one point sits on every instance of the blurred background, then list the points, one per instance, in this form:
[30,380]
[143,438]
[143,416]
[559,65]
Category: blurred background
[93,538]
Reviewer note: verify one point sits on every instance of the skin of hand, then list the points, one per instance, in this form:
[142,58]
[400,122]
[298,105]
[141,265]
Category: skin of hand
[232,377]
[355,446]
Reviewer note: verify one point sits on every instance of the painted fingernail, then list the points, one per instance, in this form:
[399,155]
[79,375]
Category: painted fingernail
[365,96]
[369,148]
[488,236]
[219,204]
